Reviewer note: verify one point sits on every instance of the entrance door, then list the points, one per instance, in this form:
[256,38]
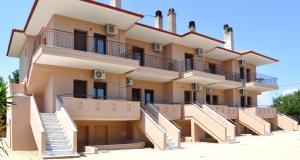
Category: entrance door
[80,89]
[188,62]
[243,104]
[136,94]
[248,72]
[215,100]
[80,40]
[100,90]
[249,101]
[149,96]
[100,43]
[242,73]
[138,54]
[187,97]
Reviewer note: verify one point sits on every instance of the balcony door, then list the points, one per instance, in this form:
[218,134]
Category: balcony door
[80,40]
[248,73]
[136,94]
[243,103]
[212,68]
[149,96]
[80,89]
[188,61]
[100,90]
[138,54]
[100,43]
[215,100]
[187,97]
[249,101]
[208,99]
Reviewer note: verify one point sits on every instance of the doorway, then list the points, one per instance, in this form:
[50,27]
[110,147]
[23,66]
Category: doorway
[83,137]
[149,96]
[80,40]
[243,104]
[138,54]
[80,89]
[242,73]
[208,99]
[188,59]
[100,90]
[100,43]
[136,94]
[212,68]
[249,101]
[187,97]
[215,100]
[248,73]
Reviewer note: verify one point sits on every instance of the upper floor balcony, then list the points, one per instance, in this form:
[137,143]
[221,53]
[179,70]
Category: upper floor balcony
[260,83]
[78,50]
[208,73]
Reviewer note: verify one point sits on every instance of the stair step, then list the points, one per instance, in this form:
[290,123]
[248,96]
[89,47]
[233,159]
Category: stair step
[57,142]
[56,138]
[58,147]
[54,129]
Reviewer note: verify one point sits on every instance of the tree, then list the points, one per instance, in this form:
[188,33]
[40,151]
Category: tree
[15,76]
[4,103]
[289,104]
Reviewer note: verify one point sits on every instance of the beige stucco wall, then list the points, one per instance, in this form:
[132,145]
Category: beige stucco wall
[25,57]
[19,132]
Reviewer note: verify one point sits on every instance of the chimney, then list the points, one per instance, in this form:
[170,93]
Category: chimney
[158,21]
[172,20]
[116,3]
[192,26]
[228,37]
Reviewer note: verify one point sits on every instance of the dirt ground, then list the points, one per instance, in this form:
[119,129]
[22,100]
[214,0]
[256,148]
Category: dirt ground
[278,146]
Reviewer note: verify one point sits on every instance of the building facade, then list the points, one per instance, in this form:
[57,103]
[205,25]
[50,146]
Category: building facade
[93,77]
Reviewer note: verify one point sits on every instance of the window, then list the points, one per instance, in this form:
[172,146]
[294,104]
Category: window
[80,40]
[249,101]
[100,43]
[80,89]
[138,54]
[188,62]
[242,73]
[215,100]
[99,90]
[208,101]
[212,68]
[136,94]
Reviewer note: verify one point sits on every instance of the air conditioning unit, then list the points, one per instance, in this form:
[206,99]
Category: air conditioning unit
[200,52]
[243,92]
[111,29]
[157,47]
[129,82]
[242,63]
[99,75]
[208,91]
[197,87]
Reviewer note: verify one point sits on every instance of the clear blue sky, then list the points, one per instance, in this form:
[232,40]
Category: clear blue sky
[269,26]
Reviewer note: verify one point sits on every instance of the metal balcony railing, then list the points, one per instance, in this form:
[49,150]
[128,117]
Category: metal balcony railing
[262,79]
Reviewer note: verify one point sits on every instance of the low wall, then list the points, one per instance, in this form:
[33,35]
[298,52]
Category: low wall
[130,145]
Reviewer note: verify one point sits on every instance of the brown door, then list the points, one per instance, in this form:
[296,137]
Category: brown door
[248,72]
[83,137]
[243,104]
[80,40]
[208,101]
[215,100]
[101,135]
[242,73]
[136,94]
[187,97]
[80,89]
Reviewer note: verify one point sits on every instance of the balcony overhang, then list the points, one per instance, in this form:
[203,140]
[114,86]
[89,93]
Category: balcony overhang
[227,84]
[256,58]
[150,34]
[222,54]
[65,57]
[153,74]
[200,77]
[259,87]
[17,40]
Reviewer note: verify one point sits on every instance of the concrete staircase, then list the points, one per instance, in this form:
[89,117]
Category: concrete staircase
[171,143]
[57,144]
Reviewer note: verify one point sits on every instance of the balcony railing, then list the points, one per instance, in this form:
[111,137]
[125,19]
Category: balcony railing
[79,42]
[262,79]
[154,61]
[233,76]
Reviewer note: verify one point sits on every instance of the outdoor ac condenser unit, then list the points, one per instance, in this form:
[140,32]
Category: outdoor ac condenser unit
[99,75]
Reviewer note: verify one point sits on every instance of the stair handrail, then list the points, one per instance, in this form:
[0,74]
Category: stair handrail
[35,118]
[287,115]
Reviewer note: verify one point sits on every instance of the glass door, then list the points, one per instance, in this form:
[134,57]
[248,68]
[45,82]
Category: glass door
[100,90]
[149,96]
[100,44]
[138,54]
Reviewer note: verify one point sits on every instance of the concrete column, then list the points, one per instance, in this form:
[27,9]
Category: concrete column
[116,3]
[228,37]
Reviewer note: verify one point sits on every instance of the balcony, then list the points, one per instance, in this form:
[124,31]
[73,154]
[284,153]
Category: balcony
[153,68]
[96,109]
[265,113]
[61,48]
[260,83]
[232,80]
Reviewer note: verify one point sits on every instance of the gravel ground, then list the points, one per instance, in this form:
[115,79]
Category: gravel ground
[278,146]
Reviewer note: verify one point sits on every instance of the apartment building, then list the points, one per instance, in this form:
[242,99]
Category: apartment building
[92,77]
